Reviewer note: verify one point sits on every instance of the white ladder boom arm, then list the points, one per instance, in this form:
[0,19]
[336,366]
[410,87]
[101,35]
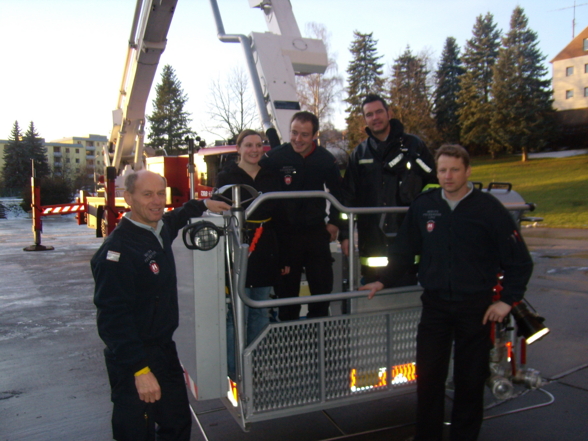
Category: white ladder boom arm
[146,44]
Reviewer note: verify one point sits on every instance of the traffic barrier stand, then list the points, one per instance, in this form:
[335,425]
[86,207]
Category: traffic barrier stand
[37,222]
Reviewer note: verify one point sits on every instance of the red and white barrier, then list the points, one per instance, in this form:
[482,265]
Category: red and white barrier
[49,210]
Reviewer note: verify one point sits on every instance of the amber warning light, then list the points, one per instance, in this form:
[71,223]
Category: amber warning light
[401,374]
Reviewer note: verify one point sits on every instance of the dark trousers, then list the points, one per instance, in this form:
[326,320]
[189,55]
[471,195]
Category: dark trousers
[309,250]
[443,324]
[133,419]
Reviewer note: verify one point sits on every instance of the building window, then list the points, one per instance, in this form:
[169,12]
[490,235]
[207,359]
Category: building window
[586,44]
[67,150]
[66,159]
[56,149]
[77,160]
[77,151]
[586,68]
[586,91]
[569,94]
[89,143]
[569,71]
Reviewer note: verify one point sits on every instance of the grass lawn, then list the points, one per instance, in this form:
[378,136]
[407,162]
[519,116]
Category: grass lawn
[559,186]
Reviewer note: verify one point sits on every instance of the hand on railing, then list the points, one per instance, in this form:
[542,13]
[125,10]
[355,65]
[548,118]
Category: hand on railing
[372,288]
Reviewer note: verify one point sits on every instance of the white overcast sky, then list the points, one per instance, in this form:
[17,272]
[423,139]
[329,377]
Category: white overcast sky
[62,60]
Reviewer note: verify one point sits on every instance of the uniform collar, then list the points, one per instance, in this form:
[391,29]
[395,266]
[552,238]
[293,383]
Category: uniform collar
[396,130]
[311,150]
[156,231]
[453,204]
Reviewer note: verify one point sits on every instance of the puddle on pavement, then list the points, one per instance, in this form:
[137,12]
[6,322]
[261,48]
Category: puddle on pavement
[4,395]
[560,256]
[567,270]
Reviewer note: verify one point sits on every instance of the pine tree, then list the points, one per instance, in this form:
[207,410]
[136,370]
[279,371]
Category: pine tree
[446,106]
[523,115]
[169,122]
[410,100]
[474,98]
[364,76]
[17,162]
[35,146]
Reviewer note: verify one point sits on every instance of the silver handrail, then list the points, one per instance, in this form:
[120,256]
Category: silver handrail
[242,252]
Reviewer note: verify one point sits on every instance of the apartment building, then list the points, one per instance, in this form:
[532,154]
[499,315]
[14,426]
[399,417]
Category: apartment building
[72,155]
[76,154]
[570,88]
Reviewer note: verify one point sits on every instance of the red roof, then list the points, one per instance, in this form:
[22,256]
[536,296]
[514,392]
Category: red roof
[574,49]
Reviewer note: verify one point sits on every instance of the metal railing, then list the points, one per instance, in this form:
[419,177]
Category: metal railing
[241,249]
[270,369]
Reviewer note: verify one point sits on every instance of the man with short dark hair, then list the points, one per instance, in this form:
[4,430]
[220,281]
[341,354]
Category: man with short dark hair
[465,238]
[305,236]
[388,169]
[137,301]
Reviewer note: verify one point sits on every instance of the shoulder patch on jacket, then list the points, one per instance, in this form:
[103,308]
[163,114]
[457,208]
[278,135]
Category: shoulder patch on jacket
[113,256]
[366,161]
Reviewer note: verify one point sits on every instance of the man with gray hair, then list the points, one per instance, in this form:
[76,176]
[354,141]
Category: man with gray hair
[137,300]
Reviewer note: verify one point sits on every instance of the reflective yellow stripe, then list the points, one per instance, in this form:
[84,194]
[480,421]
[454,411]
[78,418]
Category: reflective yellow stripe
[145,370]
[429,186]
[259,221]
[374,262]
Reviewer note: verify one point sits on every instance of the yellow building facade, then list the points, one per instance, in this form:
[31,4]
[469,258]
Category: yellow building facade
[71,156]
[75,154]
[570,88]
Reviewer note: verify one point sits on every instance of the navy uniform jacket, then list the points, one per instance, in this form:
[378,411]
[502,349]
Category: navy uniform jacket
[462,251]
[263,267]
[136,290]
[313,172]
[385,174]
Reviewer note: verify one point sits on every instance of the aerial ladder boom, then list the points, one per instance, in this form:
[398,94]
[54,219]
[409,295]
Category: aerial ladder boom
[281,54]
[146,44]
[273,59]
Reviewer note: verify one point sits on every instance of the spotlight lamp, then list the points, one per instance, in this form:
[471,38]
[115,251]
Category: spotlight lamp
[529,324]
[201,235]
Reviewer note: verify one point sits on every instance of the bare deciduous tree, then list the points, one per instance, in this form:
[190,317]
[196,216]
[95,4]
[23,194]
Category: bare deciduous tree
[319,92]
[230,105]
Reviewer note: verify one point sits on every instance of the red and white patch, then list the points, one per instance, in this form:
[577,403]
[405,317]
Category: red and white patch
[430,226]
[113,256]
[287,179]
[154,267]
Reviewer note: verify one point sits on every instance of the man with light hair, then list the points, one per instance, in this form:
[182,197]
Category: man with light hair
[137,300]
[465,238]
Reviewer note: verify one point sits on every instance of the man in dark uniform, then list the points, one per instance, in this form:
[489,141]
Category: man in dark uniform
[305,236]
[137,301]
[465,237]
[388,169]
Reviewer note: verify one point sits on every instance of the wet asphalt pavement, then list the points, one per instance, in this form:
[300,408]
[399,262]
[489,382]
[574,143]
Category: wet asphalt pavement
[53,384]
